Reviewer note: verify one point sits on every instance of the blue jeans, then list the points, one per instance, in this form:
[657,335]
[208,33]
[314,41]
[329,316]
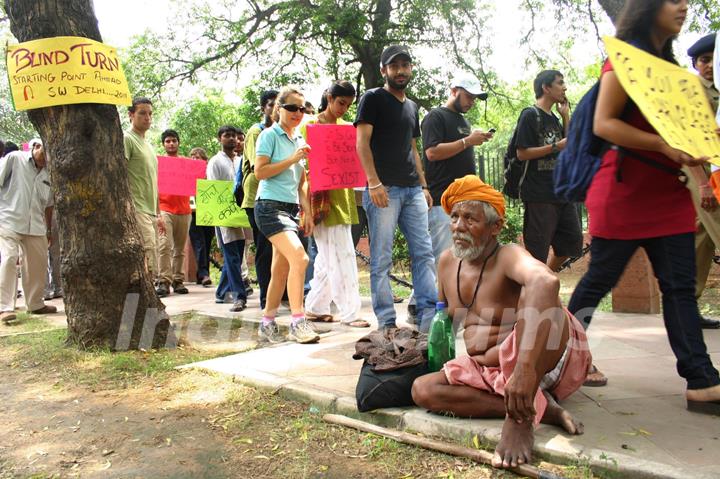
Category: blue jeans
[408,210]
[231,286]
[440,235]
[673,262]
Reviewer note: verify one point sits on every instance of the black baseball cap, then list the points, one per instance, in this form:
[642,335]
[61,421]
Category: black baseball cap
[705,45]
[392,52]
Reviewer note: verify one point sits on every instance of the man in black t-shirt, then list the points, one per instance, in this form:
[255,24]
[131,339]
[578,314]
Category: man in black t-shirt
[548,220]
[448,142]
[387,130]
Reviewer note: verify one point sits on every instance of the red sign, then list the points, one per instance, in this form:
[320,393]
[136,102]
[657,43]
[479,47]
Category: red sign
[178,176]
[334,162]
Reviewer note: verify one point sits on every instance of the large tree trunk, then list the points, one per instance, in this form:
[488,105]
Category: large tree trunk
[612,8]
[109,298]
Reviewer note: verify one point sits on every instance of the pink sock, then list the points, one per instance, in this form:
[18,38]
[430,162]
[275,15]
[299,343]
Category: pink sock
[296,318]
[267,320]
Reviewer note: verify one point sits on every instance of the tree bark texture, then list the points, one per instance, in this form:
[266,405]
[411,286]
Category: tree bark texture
[109,297]
[612,8]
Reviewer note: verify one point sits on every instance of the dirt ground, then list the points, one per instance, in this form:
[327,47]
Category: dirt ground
[81,417]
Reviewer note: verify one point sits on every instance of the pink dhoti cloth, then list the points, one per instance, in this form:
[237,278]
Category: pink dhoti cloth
[561,382]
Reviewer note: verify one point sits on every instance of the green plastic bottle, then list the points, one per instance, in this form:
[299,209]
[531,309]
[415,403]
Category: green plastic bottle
[441,343]
[450,335]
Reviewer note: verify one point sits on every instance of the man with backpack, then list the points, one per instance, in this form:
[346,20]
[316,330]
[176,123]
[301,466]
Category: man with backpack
[548,221]
[231,240]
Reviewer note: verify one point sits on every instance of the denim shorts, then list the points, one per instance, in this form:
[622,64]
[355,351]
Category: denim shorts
[273,217]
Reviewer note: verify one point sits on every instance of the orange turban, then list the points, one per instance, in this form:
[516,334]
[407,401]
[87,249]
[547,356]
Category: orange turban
[469,188]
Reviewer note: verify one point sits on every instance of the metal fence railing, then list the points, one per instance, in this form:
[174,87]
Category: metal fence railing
[490,167]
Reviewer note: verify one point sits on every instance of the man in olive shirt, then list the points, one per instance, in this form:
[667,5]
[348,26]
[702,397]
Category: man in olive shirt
[263,247]
[142,178]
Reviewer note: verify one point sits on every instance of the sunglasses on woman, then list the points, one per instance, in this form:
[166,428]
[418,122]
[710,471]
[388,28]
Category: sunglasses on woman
[293,108]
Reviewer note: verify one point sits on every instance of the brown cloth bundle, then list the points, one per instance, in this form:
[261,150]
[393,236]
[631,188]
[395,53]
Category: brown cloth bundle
[392,348]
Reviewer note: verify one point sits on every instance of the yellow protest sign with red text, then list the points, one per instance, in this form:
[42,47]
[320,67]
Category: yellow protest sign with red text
[671,98]
[63,71]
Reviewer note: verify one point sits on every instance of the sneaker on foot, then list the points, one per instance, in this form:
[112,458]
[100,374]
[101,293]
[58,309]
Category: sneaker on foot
[162,290]
[248,288]
[179,288]
[412,314]
[7,317]
[238,305]
[270,333]
[303,333]
[47,309]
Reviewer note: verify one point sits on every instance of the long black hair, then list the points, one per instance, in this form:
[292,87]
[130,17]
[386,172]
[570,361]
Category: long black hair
[338,88]
[635,24]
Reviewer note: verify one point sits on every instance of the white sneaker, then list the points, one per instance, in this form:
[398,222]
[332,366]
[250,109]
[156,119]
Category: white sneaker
[271,333]
[303,333]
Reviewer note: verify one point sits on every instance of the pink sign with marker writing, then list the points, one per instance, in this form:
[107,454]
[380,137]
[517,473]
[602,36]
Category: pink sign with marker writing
[178,176]
[334,163]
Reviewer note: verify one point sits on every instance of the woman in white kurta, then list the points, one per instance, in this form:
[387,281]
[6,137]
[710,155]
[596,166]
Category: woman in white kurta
[335,278]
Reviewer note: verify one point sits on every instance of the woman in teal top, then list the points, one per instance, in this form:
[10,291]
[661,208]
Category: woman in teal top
[281,193]
[335,278]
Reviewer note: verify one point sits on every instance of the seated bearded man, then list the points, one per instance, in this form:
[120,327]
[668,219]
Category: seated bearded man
[525,351]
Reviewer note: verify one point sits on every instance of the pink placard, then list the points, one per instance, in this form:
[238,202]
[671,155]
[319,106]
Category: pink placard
[178,176]
[334,162]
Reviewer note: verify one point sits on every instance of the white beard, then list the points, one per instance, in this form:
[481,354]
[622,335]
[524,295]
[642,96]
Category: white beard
[472,253]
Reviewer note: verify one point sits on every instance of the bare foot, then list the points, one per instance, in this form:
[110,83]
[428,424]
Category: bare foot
[515,446]
[707,394]
[557,416]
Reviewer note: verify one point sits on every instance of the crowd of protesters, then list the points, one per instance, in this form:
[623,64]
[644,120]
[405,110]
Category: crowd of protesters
[305,250]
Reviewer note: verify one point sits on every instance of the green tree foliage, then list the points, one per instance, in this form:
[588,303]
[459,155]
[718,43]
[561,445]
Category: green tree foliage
[301,38]
[198,120]
[14,125]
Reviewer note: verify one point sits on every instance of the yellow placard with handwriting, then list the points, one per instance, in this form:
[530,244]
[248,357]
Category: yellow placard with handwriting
[671,98]
[64,71]
[215,205]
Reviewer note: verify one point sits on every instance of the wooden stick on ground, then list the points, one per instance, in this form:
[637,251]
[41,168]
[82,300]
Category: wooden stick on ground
[477,455]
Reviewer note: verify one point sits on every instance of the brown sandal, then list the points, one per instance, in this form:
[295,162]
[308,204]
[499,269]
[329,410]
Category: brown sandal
[357,323]
[319,318]
[599,379]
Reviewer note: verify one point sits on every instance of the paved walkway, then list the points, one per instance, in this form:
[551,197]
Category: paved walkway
[637,424]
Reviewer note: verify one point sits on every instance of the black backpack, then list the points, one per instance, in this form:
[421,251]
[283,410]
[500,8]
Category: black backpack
[515,169]
[238,190]
[243,172]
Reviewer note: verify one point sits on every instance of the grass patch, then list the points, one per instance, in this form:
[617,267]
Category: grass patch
[281,438]
[27,323]
[95,366]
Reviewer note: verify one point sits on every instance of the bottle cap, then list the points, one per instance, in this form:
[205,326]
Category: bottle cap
[440,305]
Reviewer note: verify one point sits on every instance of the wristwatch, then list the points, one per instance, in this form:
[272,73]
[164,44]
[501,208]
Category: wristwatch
[553,148]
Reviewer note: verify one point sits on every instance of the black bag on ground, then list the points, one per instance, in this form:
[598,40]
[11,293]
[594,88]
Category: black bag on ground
[386,389]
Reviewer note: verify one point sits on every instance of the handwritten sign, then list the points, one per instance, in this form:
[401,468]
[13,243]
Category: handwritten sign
[65,71]
[334,163]
[672,99]
[216,205]
[178,176]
